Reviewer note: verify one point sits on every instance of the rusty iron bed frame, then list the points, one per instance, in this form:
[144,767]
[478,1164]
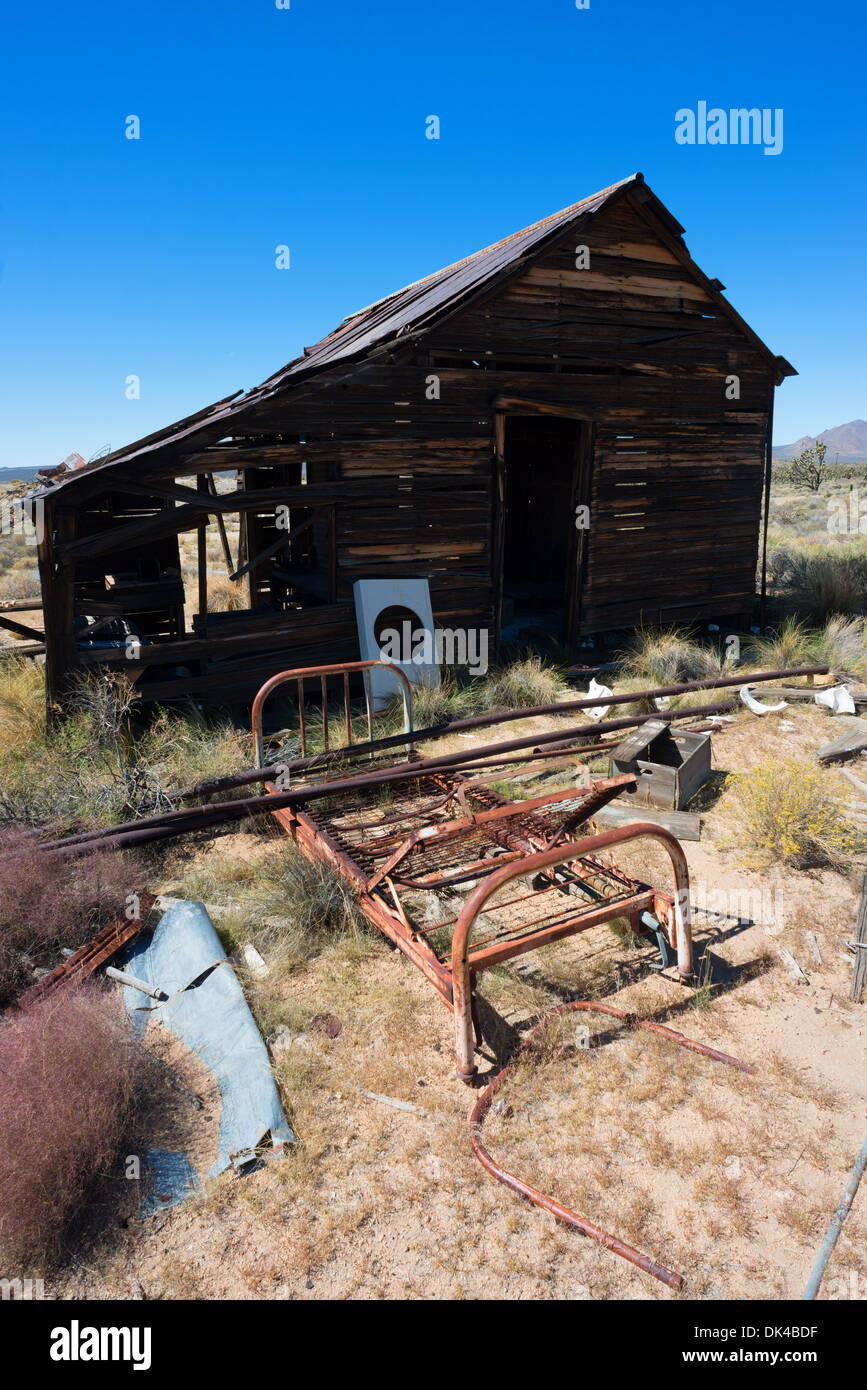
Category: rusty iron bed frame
[450,830]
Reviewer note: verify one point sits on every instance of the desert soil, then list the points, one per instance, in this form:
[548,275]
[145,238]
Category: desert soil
[729,1178]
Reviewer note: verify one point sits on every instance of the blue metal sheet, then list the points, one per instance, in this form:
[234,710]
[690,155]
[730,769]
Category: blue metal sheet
[207,1010]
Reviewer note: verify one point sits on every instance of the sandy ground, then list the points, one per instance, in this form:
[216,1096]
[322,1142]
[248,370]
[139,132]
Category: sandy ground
[728,1178]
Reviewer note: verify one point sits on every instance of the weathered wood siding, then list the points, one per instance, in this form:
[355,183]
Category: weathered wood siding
[637,345]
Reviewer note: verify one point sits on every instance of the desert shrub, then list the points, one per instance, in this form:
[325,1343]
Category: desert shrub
[20,583]
[438,704]
[185,748]
[670,656]
[48,904]
[311,903]
[68,1075]
[788,811]
[818,583]
[101,764]
[519,685]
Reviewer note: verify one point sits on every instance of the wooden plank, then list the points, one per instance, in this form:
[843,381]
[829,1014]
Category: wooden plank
[20,605]
[202,553]
[686,825]
[847,745]
[19,628]
[22,649]
[859,973]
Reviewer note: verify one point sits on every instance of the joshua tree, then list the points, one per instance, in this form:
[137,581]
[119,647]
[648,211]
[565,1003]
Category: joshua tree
[809,468]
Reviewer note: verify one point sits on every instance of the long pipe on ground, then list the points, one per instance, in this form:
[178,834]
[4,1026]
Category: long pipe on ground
[836,1226]
[199,817]
[480,721]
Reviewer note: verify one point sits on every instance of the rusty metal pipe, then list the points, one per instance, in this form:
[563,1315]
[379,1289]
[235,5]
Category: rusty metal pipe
[525,1189]
[322,760]
[478,721]
[181,821]
[462,984]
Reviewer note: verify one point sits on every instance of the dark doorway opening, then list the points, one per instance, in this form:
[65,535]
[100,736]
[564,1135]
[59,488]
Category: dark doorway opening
[541,456]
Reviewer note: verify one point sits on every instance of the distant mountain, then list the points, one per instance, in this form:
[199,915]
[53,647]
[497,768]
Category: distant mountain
[846,444]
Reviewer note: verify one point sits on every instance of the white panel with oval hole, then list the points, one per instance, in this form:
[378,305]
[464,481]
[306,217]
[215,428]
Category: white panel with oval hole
[401,607]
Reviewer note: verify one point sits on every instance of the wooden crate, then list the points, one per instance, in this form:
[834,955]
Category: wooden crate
[670,765]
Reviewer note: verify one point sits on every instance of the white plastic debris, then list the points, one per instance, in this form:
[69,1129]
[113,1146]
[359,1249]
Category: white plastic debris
[837,698]
[662,701]
[598,711]
[757,708]
[254,962]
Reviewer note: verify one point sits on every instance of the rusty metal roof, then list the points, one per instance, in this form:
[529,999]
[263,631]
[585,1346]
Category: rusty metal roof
[412,308]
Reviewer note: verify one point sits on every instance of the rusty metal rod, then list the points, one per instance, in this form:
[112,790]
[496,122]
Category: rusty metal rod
[194,817]
[359,750]
[525,1189]
[480,721]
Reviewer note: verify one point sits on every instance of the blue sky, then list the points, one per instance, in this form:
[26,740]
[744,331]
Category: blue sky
[306,127]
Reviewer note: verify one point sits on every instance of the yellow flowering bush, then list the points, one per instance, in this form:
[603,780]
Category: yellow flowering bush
[789,811]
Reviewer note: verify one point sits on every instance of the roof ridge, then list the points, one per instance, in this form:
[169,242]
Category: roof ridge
[494,245]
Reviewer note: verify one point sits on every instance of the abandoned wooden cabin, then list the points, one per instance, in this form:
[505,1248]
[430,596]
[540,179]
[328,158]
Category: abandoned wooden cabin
[454,430]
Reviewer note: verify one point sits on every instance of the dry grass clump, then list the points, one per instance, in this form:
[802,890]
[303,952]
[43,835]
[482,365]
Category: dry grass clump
[185,748]
[224,596]
[44,907]
[308,905]
[438,704]
[519,686]
[99,765]
[788,811]
[69,1070]
[790,644]
[670,656]
[22,704]
[841,644]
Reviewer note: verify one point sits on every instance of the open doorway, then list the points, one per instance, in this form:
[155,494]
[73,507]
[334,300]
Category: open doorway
[541,456]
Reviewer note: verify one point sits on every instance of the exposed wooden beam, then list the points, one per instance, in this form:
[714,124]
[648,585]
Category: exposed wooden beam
[272,549]
[202,556]
[20,630]
[221,527]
